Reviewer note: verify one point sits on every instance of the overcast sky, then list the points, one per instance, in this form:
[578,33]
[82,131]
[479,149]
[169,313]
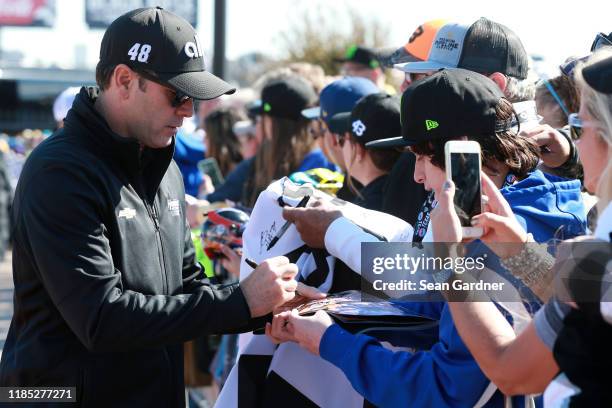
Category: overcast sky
[552,30]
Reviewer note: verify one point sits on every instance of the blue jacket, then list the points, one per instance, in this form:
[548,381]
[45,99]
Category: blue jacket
[233,187]
[447,374]
[548,206]
[316,159]
[188,151]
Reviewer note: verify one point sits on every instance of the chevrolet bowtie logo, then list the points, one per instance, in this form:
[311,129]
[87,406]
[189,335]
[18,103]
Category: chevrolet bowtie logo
[127,213]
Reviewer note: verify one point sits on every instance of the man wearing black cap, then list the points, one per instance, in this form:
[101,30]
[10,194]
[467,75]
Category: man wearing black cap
[106,283]
[363,62]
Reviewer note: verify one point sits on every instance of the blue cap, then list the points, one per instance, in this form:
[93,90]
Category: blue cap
[340,96]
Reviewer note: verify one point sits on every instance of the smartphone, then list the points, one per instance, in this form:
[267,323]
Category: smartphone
[462,159]
[210,167]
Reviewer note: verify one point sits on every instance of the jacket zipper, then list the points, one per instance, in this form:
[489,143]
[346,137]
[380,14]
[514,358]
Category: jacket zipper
[155,219]
[161,246]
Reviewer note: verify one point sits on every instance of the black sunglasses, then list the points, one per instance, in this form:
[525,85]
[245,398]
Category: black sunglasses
[568,67]
[179,96]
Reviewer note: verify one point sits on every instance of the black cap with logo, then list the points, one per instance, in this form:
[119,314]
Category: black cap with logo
[164,45]
[360,55]
[285,98]
[374,117]
[447,105]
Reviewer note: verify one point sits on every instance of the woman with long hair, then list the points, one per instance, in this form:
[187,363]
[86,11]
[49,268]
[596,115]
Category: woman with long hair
[286,144]
[221,141]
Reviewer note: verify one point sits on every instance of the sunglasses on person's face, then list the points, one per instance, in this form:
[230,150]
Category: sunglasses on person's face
[601,40]
[568,67]
[575,125]
[179,98]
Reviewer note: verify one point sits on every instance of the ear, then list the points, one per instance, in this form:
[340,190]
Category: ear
[333,141]
[500,80]
[123,80]
[361,150]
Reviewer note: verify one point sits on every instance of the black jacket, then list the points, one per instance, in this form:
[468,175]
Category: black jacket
[6,198]
[403,196]
[106,285]
[372,194]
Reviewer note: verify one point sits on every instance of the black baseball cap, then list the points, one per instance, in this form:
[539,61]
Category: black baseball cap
[340,123]
[374,117]
[447,105]
[285,98]
[360,55]
[599,75]
[165,46]
[483,46]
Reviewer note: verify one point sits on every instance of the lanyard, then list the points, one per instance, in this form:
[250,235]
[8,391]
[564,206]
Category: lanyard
[420,229]
[424,216]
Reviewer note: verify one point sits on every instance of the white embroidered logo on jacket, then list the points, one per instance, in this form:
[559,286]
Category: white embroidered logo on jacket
[174,207]
[127,213]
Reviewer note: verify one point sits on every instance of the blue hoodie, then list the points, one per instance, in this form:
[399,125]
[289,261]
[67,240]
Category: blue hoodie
[447,374]
[548,206]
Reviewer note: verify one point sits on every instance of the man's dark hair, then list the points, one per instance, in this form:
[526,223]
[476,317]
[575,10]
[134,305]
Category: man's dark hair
[104,71]
[517,152]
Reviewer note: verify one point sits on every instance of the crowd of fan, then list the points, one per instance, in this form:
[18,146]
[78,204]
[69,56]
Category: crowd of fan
[548,177]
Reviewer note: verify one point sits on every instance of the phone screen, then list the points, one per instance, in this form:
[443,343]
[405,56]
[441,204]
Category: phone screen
[465,171]
[210,167]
